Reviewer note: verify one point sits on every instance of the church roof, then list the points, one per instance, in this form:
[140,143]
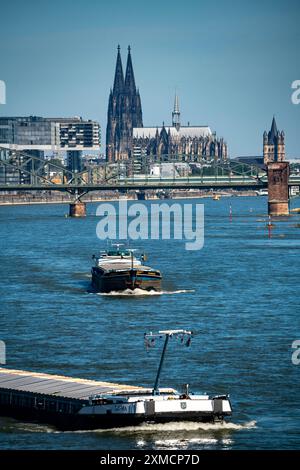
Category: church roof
[183,131]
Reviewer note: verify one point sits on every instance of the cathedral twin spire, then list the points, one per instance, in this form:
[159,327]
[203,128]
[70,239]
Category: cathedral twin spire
[119,76]
[122,85]
[124,112]
[129,76]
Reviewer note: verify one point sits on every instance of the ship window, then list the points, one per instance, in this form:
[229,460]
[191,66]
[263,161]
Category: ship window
[102,401]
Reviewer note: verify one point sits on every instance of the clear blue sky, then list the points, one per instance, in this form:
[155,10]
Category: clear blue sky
[232,62]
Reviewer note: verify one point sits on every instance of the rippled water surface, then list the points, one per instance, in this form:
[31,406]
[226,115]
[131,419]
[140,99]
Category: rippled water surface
[240,293]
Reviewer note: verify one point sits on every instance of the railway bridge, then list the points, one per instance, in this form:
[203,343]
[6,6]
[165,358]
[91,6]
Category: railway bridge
[24,172]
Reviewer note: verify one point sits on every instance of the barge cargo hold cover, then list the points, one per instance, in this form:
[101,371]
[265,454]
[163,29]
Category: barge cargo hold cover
[57,385]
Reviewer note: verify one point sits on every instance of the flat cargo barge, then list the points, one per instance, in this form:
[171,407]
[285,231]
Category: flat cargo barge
[54,399]
[72,403]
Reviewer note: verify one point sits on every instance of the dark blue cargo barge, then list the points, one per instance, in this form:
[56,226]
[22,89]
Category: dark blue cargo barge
[70,403]
[52,399]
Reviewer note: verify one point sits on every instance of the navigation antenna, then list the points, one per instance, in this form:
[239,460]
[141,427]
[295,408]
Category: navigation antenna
[184,336]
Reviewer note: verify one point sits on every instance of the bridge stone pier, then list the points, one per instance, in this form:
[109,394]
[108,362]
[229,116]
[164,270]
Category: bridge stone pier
[278,189]
[77,209]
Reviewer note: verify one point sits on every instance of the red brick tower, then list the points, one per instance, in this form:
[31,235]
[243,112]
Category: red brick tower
[278,171]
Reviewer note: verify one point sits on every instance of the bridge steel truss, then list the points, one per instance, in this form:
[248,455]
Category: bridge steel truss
[22,171]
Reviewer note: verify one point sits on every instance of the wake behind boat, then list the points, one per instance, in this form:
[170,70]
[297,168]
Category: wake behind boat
[118,269]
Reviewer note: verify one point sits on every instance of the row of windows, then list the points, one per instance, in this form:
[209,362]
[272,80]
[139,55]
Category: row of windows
[35,132]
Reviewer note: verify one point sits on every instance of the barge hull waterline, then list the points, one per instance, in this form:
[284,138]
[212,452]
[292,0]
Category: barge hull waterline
[88,423]
[123,281]
[80,404]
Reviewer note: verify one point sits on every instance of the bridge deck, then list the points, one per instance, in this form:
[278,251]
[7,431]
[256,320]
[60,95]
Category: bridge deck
[220,182]
[141,185]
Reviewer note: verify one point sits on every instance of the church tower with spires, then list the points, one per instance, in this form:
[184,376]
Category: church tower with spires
[124,112]
[273,144]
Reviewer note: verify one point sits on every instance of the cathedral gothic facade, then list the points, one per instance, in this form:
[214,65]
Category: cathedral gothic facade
[126,137]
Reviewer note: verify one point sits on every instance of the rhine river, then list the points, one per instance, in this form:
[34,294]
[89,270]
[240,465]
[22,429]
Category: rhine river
[240,293]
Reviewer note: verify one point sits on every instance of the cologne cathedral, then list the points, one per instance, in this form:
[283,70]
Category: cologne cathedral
[124,112]
[126,137]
